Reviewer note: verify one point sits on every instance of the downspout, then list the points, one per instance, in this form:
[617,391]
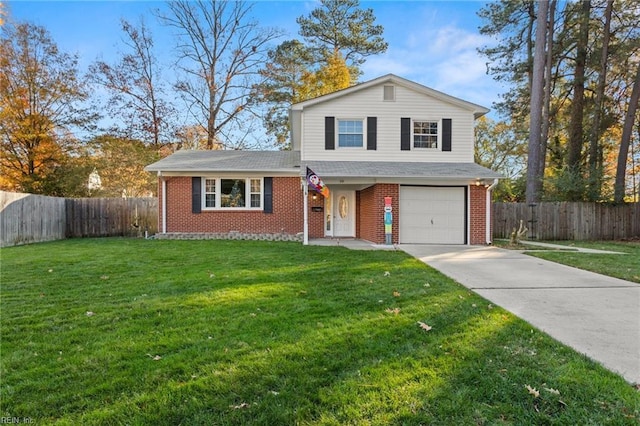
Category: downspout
[488,211]
[164,203]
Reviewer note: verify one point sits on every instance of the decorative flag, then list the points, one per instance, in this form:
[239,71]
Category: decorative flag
[316,183]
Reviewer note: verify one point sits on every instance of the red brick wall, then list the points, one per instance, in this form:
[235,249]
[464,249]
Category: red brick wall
[286,218]
[477,209]
[370,211]
[316,219]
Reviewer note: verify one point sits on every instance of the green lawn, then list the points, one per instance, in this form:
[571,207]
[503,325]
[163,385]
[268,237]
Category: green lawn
[122,331]
[626,266]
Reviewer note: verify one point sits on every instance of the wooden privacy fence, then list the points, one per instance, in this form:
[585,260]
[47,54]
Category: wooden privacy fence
[28,218]
[111,217]
[568,220]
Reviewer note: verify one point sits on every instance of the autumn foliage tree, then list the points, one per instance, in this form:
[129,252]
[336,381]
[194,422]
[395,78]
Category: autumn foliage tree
[585,58]
[40,94]
[338,37]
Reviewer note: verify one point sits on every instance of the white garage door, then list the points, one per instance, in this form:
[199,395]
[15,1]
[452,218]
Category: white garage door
[432,215]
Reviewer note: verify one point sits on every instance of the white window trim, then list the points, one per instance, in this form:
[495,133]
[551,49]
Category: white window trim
[364,134]
[439,141]
[247,193]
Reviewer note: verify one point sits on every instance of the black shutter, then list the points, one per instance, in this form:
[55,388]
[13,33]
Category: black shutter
[329,133]
[372,133]
[446,134]
[196,195]
[405,134]
[268,195]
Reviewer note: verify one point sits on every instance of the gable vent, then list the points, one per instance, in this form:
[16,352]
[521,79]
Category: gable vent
[389,93]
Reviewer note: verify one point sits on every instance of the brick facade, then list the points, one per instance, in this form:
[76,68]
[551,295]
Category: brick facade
[478,220]
[369,215]
[286,218]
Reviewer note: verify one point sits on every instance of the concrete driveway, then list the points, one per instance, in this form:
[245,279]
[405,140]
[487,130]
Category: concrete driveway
[596,315]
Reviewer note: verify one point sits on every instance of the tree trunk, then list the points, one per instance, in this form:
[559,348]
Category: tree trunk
[534,181]
[546,107]
[577,106]
[629,121]
[595,153]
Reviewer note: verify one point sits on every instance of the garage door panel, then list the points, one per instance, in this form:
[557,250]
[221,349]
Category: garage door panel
[432,215]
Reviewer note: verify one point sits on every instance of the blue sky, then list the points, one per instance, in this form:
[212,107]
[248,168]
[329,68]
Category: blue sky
[431,42]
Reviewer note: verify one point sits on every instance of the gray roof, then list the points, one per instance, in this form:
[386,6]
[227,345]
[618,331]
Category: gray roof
[228,161]
[189,161]
[387,169]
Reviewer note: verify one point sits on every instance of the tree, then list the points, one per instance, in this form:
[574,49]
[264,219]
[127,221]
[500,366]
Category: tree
[501,147]
[534,178]
[591,57]
[626,138]
[220,52]
[136,89]
[341,26]
[338,36]
[120,164]
[283,77]
[576,124]
[595,153]
[40,96]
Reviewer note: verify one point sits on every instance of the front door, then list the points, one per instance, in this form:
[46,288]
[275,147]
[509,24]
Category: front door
[344,213]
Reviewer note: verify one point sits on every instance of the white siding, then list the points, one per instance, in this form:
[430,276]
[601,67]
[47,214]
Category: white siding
[369,103]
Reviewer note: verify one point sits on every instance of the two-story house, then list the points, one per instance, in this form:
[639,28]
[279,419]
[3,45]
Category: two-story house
[388,140]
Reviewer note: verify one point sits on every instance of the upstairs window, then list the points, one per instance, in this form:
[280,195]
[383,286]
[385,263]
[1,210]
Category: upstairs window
[350,133]
[425,134]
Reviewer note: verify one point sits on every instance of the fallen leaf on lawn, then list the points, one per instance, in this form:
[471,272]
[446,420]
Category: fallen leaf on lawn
[424,326]
[427,285]
[104,277]
[490,306]
[252,314]
[392,311]
[396,294]
[211,274]
[553,391]
[387,273]
[533,391]
[237,407]
[90,314]
[474,305]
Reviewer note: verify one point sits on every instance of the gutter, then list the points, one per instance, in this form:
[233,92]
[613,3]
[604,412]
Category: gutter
[488,212]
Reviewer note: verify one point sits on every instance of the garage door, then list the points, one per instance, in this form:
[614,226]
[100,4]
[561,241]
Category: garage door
[432,215]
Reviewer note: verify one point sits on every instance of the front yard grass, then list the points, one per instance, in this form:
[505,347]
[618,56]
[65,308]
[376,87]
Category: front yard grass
[625,266]
[123,331]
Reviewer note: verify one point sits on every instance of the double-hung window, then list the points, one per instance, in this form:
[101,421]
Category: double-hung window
[425,134]
[350,134]
[232,193]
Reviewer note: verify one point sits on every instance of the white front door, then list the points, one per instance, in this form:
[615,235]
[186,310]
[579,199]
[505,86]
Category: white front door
[344,213]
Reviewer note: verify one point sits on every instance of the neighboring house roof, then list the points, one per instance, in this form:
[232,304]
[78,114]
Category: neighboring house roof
[478,110]
[228,161]
[388,169]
